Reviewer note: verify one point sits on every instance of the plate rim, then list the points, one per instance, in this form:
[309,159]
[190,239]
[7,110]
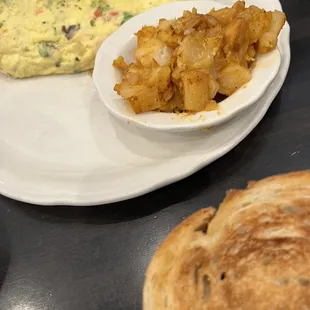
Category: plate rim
[73,199]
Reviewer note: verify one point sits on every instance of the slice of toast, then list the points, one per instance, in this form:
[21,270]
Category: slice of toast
[253,254]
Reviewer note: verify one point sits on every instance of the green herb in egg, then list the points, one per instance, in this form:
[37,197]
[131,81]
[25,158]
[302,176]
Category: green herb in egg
[126,17]
[105,7]
[96,3]
[46,49]
[99,4]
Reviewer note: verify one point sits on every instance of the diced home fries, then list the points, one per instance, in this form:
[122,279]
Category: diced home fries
[182,64]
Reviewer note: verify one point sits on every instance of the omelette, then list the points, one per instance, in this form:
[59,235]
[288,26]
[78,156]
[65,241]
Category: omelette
[45,37]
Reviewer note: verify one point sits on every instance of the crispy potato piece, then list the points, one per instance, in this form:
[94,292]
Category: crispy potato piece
[163,56]
[269,40]
[226,15]
[166,34]
[232,78]
[146,100]
[141,97]
[145,89]
[159,78]
[198,52]
[169,38]
[120,63]
[237,40]
[195,90]
[259,22]
[193,55]
[174,103]
[146,52]
[146,33]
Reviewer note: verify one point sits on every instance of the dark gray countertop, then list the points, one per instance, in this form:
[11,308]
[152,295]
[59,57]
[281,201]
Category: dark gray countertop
[93,258]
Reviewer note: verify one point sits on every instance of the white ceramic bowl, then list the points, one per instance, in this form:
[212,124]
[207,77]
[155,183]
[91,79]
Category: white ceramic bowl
[123,43]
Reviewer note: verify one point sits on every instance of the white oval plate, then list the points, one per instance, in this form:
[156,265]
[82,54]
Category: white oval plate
[123,42]
[59,145]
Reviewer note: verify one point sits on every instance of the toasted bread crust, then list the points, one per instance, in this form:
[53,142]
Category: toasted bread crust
[253,254]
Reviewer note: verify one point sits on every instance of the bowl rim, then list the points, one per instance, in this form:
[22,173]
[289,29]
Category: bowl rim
[126,33]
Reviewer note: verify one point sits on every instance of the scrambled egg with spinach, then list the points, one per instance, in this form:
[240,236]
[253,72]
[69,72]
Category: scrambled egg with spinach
[43,37]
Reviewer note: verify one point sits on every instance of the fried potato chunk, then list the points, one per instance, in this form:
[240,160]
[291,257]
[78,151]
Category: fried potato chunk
[232,78]
[269,39]
[145,89]
[194,90]
[183,63]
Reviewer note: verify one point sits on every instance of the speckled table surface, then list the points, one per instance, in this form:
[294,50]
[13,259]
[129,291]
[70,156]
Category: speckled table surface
[93,258]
